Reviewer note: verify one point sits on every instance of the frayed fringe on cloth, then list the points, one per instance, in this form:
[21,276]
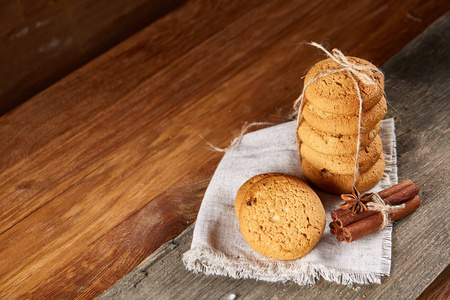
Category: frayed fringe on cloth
[213,263]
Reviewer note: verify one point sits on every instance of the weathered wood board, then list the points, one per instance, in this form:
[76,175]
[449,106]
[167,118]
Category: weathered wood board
[418,90]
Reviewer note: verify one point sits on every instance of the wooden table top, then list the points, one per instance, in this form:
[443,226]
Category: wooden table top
[105,166]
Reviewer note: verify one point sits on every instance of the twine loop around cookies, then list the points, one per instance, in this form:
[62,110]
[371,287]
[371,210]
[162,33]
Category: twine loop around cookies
[377,203]
[356,71]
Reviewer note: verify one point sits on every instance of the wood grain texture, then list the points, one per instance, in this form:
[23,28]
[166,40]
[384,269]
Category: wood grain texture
[105,166]
[439,289]
[418,87]
[44,40]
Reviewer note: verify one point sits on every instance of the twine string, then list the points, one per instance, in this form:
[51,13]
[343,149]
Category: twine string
[238,139]
[377,203]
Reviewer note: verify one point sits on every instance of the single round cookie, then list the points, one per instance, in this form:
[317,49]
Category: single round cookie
[344,124]
[340,184]
[344,164]
[244,189]
[282,217]
[334,144]
[337,93]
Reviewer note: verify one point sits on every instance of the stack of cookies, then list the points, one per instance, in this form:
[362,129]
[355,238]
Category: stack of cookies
[330,123]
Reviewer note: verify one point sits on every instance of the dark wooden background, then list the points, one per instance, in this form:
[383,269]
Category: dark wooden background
[44,40]
[106,165]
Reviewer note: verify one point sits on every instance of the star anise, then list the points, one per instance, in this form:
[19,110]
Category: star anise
[355,201]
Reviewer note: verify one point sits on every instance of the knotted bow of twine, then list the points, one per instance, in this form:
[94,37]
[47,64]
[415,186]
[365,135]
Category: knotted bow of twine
[378,204]
[357,72]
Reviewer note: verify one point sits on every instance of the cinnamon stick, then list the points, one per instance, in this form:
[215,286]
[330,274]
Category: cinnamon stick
[395,188]
[410,206]
[362,228]
[334,228]
[340,236]
[357,230]
[338,213]
[351,218]
[402,195]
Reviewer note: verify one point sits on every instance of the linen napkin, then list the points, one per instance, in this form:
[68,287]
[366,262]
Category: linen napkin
[218,247]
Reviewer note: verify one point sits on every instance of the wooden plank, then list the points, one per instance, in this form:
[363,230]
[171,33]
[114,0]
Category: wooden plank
[439,289]
[105,166]
[418,88]
[42,41]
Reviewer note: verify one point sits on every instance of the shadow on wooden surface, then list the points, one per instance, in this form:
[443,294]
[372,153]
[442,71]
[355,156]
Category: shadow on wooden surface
[42,41]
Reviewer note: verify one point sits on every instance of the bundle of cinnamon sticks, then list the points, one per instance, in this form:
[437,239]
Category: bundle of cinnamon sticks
[349,227]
